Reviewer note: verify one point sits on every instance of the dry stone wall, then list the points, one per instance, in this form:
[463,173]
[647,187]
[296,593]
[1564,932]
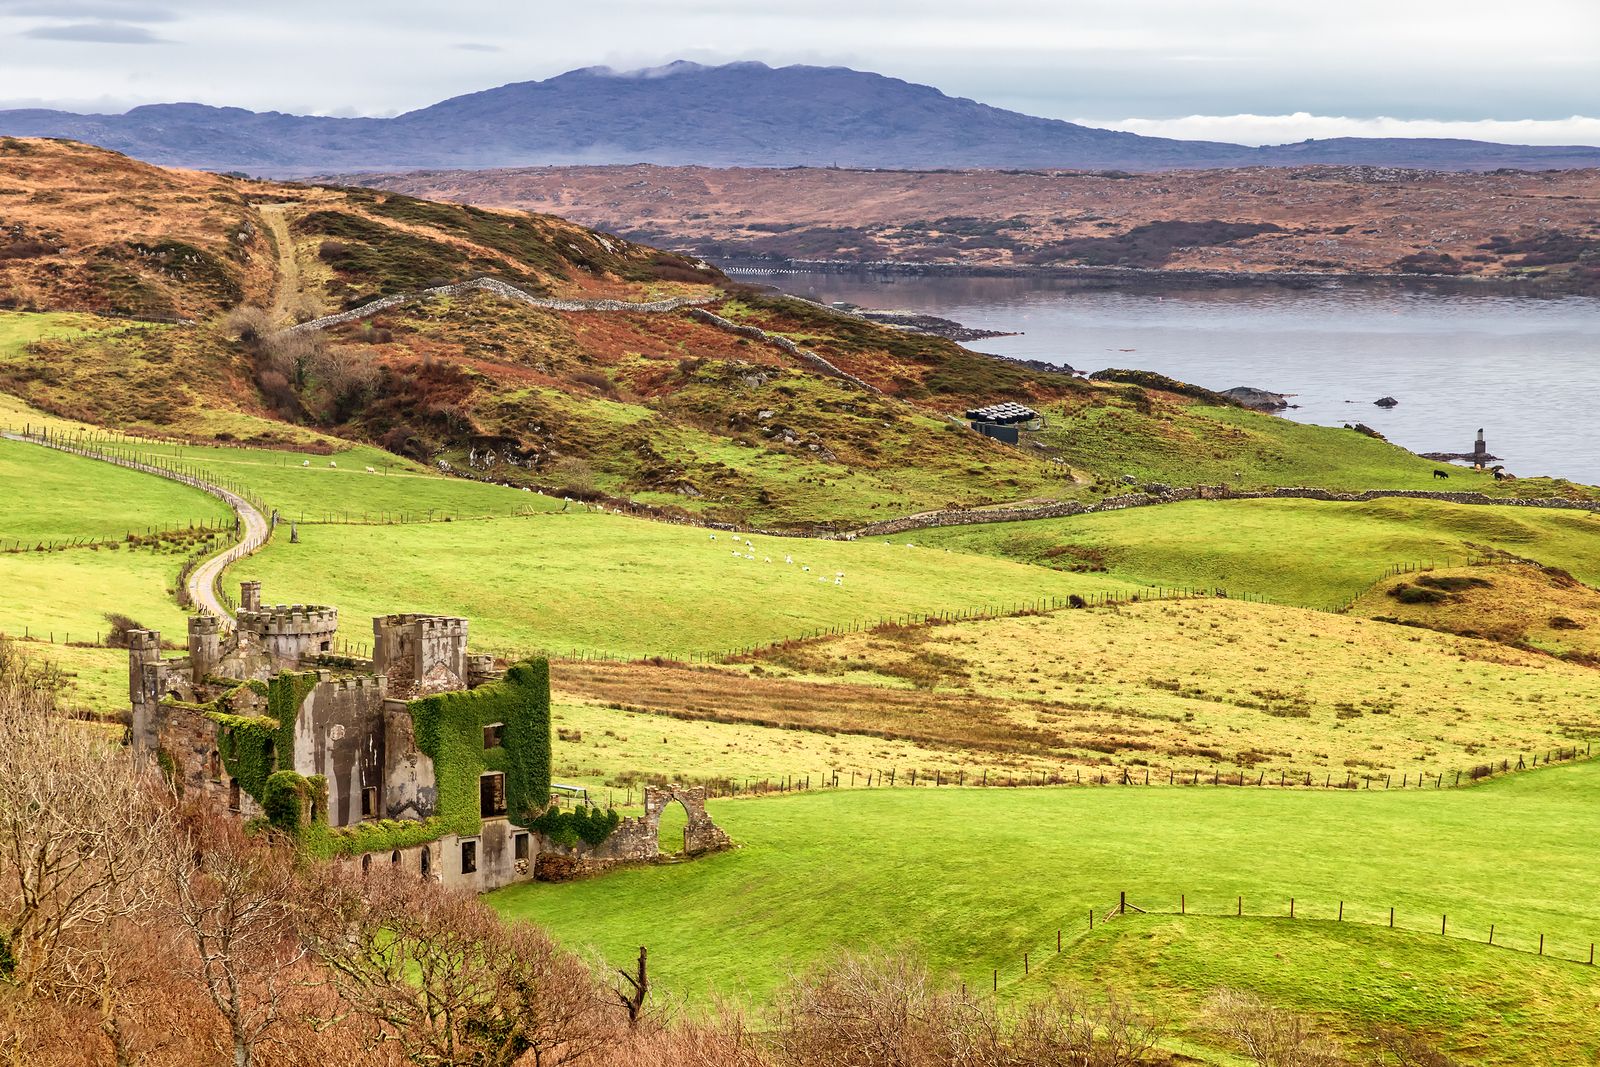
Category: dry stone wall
[1065,508]
[778,341]
[500,289]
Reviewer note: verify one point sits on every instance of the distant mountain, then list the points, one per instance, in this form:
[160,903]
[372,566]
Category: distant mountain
[739,114]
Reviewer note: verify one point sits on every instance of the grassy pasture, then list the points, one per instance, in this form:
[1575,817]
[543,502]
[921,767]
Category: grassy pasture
[337,487]
[1483,1005]
[1200,684]
[1514,603]
[592,581]
[69,592]
[55,496]
[1294,551]
[972,878]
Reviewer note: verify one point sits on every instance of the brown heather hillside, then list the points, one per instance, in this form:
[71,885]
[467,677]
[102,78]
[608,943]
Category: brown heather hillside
[781,413]
[1255,220]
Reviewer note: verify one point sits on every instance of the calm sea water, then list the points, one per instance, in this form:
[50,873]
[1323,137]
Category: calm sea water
[1526,371]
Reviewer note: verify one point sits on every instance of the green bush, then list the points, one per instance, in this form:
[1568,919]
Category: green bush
[586,824]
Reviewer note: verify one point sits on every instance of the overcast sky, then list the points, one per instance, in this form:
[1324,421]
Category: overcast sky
[1255,71]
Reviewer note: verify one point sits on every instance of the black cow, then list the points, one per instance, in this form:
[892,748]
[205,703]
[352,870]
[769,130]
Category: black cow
[1440,474]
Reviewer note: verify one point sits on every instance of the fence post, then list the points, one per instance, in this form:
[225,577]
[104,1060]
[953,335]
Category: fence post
[1391,918]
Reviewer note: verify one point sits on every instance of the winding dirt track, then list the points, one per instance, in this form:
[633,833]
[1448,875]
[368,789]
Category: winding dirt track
[202,583]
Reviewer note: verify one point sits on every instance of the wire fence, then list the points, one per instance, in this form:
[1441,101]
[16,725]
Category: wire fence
[1525,938]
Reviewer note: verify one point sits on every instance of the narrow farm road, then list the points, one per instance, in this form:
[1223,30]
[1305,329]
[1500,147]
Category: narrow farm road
[201,585]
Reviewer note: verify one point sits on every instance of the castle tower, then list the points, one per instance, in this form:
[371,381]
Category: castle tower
[144,684]
[249,596]
[1480,450]
[205,645]
[420,654]
[291,633]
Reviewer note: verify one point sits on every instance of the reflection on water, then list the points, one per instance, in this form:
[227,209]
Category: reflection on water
[1525,370]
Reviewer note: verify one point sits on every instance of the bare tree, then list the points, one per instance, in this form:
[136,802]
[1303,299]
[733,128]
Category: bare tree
[436,972]
[885,1010]
[1270,1036]
[232,902]
[82,825]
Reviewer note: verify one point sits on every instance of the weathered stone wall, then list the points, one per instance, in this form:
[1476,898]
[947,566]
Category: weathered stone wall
[805,355]
[1155,496]
[339,733]
[636,839]
[420,654]
[501,289]
[410,790]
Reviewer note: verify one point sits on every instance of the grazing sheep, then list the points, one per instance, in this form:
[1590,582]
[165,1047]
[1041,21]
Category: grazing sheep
[806,569]
[371,470]
[331,463]
[788,560]
[305,463]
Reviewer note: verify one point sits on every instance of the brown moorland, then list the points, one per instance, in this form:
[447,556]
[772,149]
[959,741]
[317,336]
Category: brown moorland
[1339,219]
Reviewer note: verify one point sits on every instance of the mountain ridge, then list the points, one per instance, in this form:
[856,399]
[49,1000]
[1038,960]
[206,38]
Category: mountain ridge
[736,114]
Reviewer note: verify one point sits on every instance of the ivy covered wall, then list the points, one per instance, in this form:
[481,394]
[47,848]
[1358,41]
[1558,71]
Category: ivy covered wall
[449,729]
[253,747]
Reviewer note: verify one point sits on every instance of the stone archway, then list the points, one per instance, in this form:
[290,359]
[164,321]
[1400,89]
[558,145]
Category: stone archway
[700,834]
[672,829]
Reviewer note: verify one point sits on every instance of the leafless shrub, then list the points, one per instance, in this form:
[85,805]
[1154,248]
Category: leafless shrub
[348,377]
[1393,1047]
[118,628]
[249,324]
[232,899]
[1270,1036]
[439,975]
[81,827]
[887,1013]
[1070,1028]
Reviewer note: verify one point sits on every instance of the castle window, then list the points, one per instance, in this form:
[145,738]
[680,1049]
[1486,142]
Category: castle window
[427,861]
[233,795]
[369,802]
[493,735]
[394,858]
[521,844]
[469,857]
[214,766]
[491,795]
[366,863]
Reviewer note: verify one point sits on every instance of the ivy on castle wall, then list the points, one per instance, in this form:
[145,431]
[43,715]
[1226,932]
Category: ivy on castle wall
[253,747]
[589,825]
[449,729]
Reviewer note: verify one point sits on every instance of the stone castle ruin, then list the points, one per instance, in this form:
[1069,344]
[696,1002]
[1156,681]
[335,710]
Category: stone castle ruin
[425,756]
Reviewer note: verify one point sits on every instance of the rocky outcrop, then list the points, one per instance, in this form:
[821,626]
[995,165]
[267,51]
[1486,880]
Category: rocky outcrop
[1259,399]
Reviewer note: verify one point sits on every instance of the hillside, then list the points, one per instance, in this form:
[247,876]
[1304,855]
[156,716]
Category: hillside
[738,114]
[599,368]
[1256,220]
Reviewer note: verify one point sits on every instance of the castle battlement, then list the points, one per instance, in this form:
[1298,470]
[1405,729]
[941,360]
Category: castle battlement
[291,620]
[359,683]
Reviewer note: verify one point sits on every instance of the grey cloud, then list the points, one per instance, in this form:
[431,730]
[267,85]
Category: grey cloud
[108,10]
[473,46]
[95,32]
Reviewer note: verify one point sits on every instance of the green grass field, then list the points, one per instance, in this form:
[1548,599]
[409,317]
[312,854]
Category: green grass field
[1484,1005]
[971,879]
[69,592]
[628,586]
[62,497]
[1302,552]
[338,487]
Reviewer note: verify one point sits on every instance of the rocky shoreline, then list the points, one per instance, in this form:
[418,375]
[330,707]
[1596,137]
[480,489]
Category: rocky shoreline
[1154,278]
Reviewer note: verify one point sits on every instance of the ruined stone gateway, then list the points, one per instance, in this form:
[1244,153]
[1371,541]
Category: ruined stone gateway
[426,757]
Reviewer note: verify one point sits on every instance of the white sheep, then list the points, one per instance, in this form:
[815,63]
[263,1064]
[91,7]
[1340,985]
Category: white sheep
[713,537]
[807,569]
[372,470]
[789,560]
[331,463]
[305,463]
